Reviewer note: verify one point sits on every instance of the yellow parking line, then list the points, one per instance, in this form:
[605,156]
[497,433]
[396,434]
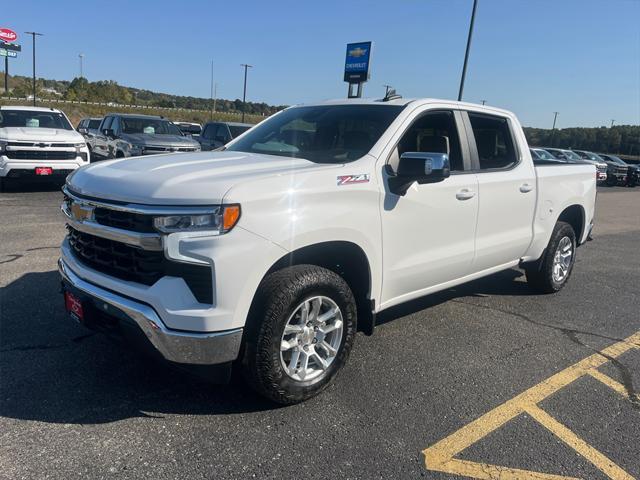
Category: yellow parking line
[583,448]
[440,456]
[611,383]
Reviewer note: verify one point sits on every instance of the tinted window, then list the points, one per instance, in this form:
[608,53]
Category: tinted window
[151,126]
[94,123]
[434,132]
[33,119]
[236,130]
[324,134]
[107,123]
[115,124]
[493,141]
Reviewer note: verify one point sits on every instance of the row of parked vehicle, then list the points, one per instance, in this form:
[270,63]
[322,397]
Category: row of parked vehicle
[121,135]
[610,169]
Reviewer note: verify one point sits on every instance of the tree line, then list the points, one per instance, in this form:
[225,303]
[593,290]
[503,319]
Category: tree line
[108,91]
[620,139]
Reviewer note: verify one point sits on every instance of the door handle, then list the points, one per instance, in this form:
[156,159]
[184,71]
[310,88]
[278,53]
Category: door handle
[465,194]
[526,187]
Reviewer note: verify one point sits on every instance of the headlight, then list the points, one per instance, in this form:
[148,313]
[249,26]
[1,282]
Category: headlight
[80,145]
[221,221]
[3,145]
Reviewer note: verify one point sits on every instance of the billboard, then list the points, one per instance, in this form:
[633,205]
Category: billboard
[356,66]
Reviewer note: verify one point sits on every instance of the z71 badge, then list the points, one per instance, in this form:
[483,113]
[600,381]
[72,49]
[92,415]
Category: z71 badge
[351,179]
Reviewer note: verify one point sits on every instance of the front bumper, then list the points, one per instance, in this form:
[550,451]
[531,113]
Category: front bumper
[186,348]
[10,167]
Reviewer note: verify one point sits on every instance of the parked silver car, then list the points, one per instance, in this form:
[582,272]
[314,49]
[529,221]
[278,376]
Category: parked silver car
[128,135]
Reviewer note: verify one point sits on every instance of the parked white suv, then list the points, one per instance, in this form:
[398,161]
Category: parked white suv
[270,254]
[38,142]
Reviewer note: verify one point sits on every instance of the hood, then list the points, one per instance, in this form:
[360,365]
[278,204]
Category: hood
[146,139]
[180,178]
[30,134]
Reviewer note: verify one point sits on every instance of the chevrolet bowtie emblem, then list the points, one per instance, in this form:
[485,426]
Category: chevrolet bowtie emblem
[81,212]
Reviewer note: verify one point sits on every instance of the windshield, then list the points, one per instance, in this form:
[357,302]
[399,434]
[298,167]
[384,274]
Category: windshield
[617,160]
[593,156]
[94,123]
[322,134]
[237,130]
[571,155]
[190,129]
[33,119]
[152,126]
[544,155]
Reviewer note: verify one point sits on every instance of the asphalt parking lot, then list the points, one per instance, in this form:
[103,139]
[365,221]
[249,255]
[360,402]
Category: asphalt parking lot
[486,380]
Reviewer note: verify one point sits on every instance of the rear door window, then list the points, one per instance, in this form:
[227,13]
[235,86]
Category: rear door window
[494,142]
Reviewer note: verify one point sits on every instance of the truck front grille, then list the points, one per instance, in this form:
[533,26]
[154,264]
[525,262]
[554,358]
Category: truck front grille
[134,222]
[136,265]
[41,155]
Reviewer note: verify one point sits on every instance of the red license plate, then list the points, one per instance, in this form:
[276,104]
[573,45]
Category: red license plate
[74,306]
[44,170]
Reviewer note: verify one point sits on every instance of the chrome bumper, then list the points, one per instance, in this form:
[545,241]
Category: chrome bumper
[179,347]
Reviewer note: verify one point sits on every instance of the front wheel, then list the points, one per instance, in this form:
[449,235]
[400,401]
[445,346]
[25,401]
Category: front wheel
[301,329]
[552,271]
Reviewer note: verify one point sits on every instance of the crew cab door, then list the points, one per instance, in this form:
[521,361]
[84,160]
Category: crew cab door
[428,233]
[506,187]
[100,140]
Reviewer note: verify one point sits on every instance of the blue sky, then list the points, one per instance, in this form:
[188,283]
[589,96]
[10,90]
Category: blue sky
[578,57]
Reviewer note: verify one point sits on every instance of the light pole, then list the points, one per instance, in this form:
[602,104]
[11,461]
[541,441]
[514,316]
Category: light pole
[466,53]
[612,120]
[211,93]
[244,92]
[33,36]
[484,101]
[553,128]
[81,57]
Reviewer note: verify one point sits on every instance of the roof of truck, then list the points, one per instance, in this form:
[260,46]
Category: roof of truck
[30,109]
[405,101]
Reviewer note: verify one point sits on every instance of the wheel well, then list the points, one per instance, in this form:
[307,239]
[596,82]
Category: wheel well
[574,216]
[347,260]
[119,154]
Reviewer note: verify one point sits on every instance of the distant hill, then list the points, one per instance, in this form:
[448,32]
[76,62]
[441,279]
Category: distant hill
[108,91]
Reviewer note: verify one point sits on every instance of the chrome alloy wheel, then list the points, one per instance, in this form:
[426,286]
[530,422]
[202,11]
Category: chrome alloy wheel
[562,260]
[311,338]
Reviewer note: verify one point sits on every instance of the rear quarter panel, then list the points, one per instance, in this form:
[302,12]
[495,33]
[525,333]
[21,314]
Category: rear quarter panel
[559,187]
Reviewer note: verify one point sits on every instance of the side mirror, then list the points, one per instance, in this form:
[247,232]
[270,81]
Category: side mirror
[421,167]
[82,130]
[108,132]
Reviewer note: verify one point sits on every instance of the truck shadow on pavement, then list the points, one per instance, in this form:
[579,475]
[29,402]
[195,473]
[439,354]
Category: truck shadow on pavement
[53,370]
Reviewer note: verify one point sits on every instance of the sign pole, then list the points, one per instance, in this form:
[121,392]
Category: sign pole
[6,75]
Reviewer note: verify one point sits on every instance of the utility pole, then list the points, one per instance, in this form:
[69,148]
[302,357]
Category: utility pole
[81,56]
[244,93]
[211,104]
[612,120]
[386,89]
[215,95]
[484,101]
[6,75]
[33,37]
[553,129]
[466,54]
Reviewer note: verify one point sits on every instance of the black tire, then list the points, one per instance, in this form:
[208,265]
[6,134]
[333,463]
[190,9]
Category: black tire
[278,297]
[3,184]
[540,273]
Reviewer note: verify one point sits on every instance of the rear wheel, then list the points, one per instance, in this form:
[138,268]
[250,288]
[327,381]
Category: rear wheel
[552,271]
[302,327]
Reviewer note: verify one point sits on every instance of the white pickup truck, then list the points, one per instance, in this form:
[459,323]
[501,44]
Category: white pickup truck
[38,142]
[269,255]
